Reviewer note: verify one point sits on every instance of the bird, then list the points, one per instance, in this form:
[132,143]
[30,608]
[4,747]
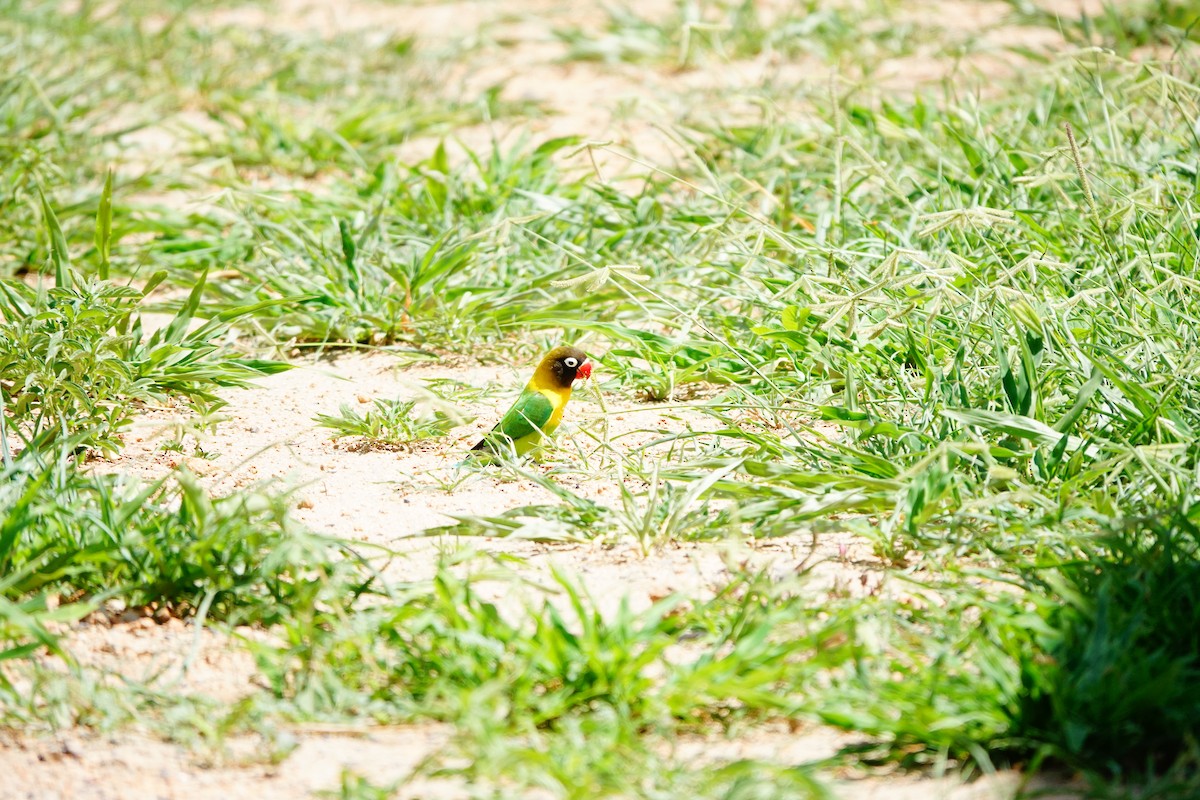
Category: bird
[539,409]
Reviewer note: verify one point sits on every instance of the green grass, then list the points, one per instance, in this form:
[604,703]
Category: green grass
[76,357]
[1117,684]
[1124,28]
[730,30]
[392,423]
[959,327]
[560,673]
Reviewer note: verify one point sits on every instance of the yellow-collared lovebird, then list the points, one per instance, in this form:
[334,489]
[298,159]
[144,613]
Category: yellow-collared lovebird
[539,409]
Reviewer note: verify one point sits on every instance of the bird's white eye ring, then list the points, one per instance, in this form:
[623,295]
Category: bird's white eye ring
[571,362]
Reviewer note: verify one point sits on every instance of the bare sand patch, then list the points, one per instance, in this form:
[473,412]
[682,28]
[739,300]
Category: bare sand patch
[80,766]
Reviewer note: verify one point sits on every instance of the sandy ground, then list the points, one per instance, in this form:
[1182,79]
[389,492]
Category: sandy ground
[391,498]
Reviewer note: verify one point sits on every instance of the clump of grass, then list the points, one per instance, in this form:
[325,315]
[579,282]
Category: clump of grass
[561,677]
[74,357]
[73,543]
[658,369]
[29,627]
[1123,27]
[734,29]
[393,423]
[428,254]
[352,786]
[441,649]
[238,558]
[1115,684]
[666,511]
[596,757]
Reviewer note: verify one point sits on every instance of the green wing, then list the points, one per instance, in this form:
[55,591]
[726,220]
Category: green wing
[528,415]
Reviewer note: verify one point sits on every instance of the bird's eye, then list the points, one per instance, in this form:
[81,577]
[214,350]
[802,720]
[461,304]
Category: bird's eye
[571,362]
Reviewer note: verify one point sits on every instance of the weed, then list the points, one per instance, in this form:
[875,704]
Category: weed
[237,557]
[392,422]
[1113,683]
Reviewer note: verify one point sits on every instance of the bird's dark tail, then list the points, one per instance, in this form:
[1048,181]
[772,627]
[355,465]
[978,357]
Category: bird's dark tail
[483,445]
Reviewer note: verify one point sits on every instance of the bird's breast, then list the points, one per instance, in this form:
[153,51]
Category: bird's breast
[558,400]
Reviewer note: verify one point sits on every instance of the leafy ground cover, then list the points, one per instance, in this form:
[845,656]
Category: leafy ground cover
[919,368]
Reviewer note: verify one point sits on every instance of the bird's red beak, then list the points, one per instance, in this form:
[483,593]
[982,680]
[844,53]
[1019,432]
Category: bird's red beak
[584,371]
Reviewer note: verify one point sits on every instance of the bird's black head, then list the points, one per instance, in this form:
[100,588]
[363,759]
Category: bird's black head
[563,365]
